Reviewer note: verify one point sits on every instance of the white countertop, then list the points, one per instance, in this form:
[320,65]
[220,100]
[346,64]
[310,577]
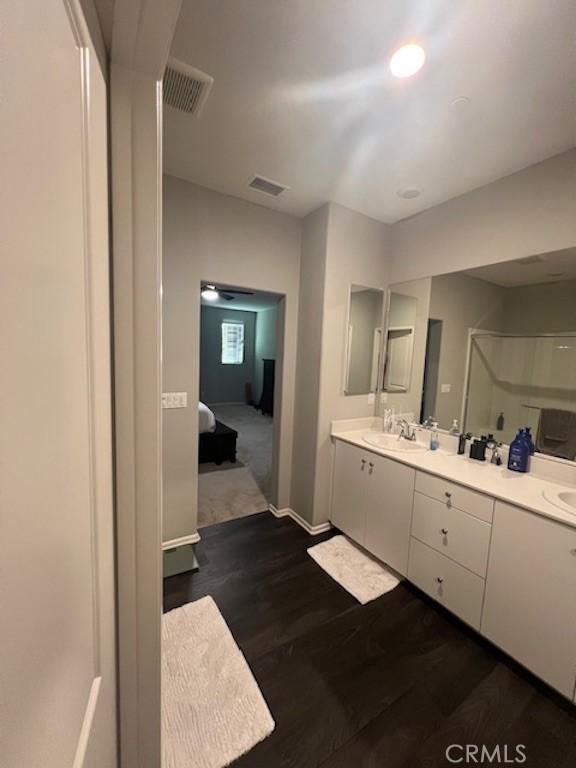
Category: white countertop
[522,490]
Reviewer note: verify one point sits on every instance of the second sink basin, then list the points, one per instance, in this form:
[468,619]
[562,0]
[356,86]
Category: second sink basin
[392,443]
[565,500]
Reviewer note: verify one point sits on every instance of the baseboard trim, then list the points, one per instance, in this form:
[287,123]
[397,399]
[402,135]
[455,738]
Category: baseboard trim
[313,530]
[193,538]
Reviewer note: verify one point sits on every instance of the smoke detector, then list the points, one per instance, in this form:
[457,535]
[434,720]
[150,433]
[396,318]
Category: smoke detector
[267,186]
[184,87]
[409,193]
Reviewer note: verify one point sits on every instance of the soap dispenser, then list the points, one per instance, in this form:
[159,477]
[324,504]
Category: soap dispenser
[434,437]
[519,453]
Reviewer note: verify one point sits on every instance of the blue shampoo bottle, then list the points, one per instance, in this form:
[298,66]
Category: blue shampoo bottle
[519,453]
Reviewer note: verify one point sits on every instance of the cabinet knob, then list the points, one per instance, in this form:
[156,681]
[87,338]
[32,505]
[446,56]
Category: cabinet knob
[444,531]
[371,465]
[448,494]
[439,580]
[363,463]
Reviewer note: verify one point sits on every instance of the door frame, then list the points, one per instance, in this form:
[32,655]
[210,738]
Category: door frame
[142,33]
[278,391]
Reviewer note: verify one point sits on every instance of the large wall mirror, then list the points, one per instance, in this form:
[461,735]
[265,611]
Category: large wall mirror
[494,348]
[364,340]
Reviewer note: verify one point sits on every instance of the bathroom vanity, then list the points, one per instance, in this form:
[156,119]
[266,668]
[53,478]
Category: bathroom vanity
[485,543]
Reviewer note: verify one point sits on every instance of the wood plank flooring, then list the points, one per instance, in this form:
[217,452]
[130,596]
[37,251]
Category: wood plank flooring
[389,684]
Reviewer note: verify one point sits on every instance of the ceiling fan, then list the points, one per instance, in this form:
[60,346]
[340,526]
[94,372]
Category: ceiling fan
[212,292]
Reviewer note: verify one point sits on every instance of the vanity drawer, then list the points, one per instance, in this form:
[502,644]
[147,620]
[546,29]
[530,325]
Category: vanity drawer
[455,495]
[456,588]
[454,533]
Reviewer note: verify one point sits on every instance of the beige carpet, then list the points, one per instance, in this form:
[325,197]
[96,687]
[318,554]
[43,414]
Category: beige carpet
[353,568]
[212,708]
[228,494]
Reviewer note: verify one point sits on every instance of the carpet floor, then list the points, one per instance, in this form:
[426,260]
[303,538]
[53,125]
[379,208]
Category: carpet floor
[228,494]
[231,491]
[254,445]
[212,709]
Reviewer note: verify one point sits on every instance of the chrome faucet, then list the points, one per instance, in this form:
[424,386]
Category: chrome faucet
[406,431]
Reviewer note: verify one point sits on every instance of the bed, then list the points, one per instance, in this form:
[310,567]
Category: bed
[216,441]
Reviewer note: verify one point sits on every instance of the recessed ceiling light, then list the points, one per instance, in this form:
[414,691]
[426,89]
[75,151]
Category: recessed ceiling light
[409,193]
[407,60]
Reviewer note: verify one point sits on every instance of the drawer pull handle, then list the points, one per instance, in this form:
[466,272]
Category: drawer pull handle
[371,465]
[444,531]
[363,462]
[448,494]
[439,580]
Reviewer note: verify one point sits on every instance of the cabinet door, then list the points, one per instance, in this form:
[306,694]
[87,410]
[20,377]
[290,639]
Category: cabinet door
[530,605]
[348,490]
[389,497]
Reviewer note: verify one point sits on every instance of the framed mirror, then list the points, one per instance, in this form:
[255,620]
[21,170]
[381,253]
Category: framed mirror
[363,340]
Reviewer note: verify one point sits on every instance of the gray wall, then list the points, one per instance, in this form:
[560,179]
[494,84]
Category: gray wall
[212,237]
[264,346]
[224,383]
[528,212]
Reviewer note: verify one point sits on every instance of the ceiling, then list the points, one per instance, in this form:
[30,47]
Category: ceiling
[550,267]
[303,95]
[257,302]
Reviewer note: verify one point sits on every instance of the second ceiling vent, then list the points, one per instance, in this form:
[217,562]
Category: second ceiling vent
[184,87]
[269,187]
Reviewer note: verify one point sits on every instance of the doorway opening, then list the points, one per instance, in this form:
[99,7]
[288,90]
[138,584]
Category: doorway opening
[431,370]
[239,355]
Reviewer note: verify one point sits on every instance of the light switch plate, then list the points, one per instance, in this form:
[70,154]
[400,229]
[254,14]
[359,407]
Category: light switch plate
[445,388]
[174,399]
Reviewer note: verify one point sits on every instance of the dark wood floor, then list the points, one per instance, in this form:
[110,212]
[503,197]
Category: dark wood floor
[392,683]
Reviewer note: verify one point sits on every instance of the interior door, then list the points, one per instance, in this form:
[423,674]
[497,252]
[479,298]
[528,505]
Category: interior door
[56,584]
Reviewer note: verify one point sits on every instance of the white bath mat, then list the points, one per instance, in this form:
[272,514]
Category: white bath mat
[212,708]
[361,575]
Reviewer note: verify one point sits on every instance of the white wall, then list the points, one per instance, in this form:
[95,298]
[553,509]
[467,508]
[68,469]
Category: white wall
[312,279]
[356,253]
[210,236]
[532,211]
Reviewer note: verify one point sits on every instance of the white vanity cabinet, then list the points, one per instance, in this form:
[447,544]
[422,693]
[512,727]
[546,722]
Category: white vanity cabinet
[530,602]
[372,503]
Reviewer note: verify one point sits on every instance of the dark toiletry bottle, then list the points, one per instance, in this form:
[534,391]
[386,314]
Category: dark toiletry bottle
[500,422]
[462,443]
[519,453]
[529,440]
[478,449]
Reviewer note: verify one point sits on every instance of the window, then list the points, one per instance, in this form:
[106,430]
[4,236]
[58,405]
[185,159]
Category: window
[232,343]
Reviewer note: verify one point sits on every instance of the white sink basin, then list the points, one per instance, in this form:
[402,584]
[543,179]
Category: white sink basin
[565,500]
[392,443]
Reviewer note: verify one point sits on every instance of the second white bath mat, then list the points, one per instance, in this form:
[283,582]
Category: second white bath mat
[353,568]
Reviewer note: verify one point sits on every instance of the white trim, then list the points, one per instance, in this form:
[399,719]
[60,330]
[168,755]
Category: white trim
[86,729]
[193,538]
[313,530]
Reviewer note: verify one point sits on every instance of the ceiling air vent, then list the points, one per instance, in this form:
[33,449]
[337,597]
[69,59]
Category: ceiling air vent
[269,187]
[185,88]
